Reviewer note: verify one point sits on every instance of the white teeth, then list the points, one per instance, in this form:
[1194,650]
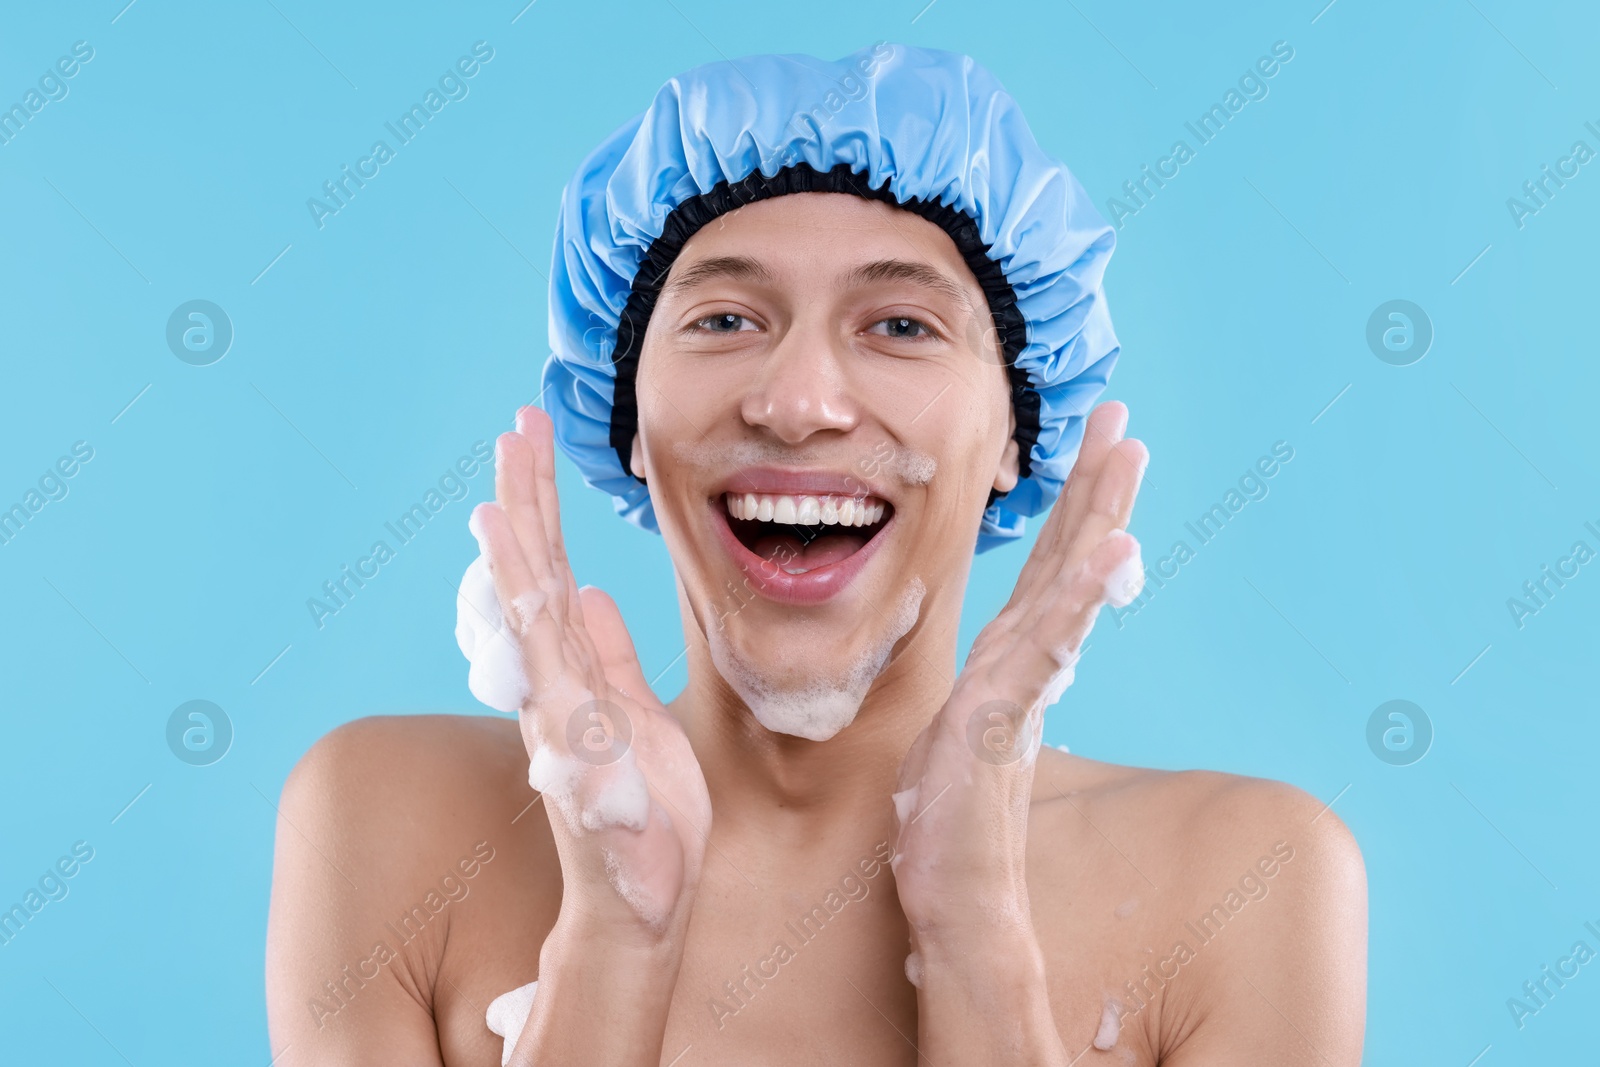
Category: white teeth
[807,510]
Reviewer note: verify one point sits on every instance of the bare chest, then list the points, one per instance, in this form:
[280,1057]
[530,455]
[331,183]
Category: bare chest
[800,970]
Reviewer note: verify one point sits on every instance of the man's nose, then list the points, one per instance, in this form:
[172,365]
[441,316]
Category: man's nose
[804,386]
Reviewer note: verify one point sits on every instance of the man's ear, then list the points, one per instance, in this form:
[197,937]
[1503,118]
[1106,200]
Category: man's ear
[636,460]
[1006,475]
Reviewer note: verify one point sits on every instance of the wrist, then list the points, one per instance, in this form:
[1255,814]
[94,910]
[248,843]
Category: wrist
[577,933]
[998,955]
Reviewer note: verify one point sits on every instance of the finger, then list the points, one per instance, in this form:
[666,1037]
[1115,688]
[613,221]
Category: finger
[612,644]
[1104,428]
[1111,504]
[517,483]
[535,426]
[1044,662]
[522,601]
[515,491]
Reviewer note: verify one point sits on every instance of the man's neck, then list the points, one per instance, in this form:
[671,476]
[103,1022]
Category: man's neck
[770,778]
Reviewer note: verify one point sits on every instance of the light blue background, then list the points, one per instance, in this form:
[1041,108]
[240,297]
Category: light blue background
[375,351]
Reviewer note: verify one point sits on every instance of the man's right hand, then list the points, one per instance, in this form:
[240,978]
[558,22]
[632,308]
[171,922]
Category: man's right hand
[625,796]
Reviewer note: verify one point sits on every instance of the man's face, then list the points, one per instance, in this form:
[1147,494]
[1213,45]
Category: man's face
[822,414]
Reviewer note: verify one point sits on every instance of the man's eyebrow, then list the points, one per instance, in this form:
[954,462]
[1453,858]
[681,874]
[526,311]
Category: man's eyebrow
[740,267]
[900,270]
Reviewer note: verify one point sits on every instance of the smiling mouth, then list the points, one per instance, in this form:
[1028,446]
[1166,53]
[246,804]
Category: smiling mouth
[801,533]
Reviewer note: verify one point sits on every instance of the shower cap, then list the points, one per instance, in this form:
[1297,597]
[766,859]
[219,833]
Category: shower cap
[929,131]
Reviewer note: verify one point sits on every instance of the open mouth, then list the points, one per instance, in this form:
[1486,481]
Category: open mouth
[801,533]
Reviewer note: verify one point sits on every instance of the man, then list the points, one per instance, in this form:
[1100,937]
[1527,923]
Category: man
[836,355]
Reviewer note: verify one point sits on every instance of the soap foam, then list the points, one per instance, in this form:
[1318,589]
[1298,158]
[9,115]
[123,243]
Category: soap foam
[825,704]
[914,970]
[1126,581]
[527,607]
[508,1014]
[905,802]
[553,775]
[642,904]
[621,800]
[495,673]
[1105,1039]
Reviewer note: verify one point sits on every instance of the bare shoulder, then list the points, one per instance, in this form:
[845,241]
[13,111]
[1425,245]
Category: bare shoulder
[387,826]
[1190,824]
[371,761]
[1237,904]
[417,781]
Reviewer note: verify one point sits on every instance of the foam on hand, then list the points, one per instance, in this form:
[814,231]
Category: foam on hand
[652,911]
[495,675]
[622,799]
[1105,1039]
[905,802]
[1126,581]
[826,703]
[914,970]
[508,1014]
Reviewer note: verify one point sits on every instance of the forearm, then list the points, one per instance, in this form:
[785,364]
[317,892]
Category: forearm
[982,1000]
[603,997]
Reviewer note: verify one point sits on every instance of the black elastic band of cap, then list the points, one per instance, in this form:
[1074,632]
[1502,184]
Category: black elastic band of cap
[687,219]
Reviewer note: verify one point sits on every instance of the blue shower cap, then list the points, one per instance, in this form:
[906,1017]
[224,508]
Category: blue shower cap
[925,130]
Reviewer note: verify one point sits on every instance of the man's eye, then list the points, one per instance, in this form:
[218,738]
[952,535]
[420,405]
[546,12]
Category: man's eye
[728,323]
[905,328]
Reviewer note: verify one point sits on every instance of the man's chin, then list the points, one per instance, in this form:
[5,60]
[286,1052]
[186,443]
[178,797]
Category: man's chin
[804,686]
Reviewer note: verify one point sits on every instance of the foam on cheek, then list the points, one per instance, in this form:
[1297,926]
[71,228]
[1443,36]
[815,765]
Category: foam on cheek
[495,673]
[508,1014]
[914,467]
[827,704]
